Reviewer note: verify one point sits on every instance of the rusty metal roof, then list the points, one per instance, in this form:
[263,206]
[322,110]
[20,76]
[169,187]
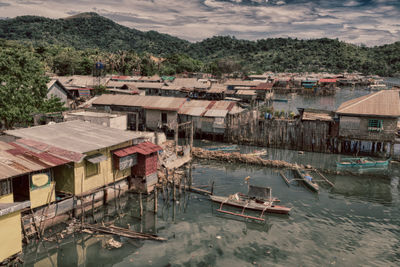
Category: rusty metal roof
[144,148]
[77,136]
[264,86]
[241,83]
[216,113]
[317,115]
[146,102]
[246,92]
[385,103]
[26,156]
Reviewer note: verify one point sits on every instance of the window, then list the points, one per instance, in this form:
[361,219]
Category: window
[5,187]
[164,117]
[91,168]
[375,125]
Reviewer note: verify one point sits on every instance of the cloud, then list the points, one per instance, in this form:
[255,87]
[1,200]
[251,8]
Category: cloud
[372,22]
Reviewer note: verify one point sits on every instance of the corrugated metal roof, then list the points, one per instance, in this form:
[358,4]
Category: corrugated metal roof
[139,85]
[317,115]
[383,103]
[217,89]
[81,80]
[144,148]
[241,83]
[147,102]
[327,80]
[17,159]
[264,86]
[77,136]
[246,92]
[195,111]
[191,83]
[216,113]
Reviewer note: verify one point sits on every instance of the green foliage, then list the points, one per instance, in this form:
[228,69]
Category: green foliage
[73,45]
[22,85]
[53,104]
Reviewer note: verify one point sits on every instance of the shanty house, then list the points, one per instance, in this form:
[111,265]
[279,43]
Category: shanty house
[208,116]
[371,117]
[56,89]
[143,159]
[94,142]
[151,112]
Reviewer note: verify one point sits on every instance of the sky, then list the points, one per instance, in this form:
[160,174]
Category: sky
[368,22]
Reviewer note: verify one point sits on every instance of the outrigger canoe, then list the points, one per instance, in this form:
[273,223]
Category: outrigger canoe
[258,199]
[236,200]
[307,179]
[362,163]
[222,148]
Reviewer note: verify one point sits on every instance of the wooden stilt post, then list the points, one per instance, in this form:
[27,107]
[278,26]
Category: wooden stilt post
[191,136]
[141,204]
[155,199]
[173,190]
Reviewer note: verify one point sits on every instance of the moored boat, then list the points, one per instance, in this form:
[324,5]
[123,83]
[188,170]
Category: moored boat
[307,179]
[236,200]
[362,163]
[258,199]
[223,148]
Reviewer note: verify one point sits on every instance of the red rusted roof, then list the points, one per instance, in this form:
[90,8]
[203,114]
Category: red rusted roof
[120,77]
[144,148]
[327,80]
[19,158]
[67,155]
[264,86]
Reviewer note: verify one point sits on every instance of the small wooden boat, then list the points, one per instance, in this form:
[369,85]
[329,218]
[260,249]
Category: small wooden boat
[280,100]
[362,163]
[261,152]
[307,180]
[258,199]
[223,148]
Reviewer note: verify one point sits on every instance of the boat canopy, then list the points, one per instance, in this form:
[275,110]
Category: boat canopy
[259,192]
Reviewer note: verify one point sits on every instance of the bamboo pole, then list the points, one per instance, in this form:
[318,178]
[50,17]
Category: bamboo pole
[284,178]
[323,177]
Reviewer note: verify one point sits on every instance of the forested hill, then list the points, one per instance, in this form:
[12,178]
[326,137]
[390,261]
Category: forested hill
[88,30]
[91,31]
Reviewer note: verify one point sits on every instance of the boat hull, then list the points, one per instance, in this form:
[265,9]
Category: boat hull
[252,205]
[353,163]
[223,148]
[312,186]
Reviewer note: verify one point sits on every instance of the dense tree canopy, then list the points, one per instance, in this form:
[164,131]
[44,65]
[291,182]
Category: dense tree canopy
[74,44]
[22,85]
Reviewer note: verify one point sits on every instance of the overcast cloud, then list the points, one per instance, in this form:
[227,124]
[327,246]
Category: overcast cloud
[370,22]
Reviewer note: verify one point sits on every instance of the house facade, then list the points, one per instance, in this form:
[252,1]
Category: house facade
[371,121]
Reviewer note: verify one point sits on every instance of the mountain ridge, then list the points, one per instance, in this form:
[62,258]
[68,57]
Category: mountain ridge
[92,31]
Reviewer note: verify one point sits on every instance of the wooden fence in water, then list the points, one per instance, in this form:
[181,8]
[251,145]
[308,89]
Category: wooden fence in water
[249,128]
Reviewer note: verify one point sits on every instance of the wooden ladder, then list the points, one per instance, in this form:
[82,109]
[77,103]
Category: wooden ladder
[31,229]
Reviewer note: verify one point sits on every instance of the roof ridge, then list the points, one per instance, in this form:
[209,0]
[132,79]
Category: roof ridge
[358,102]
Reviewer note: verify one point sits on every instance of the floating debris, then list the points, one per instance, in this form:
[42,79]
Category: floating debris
[112,243]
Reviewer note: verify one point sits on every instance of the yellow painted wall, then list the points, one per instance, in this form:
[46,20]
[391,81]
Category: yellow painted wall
[7,198]
[10,235]
[64,178]
[106,173]
[41,196]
